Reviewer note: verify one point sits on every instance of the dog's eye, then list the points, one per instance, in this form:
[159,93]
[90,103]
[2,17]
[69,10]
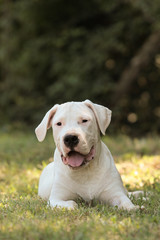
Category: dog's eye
[84,120]
[59,124]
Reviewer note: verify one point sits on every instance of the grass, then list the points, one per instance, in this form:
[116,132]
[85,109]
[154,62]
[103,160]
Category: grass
[23,215]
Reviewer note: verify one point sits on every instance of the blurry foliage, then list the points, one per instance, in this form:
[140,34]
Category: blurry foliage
[52,51]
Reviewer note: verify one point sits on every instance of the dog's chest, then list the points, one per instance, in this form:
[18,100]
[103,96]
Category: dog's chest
[89,191]
[89,188]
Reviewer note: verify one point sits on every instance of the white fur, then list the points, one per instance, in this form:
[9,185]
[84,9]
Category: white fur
[99,179]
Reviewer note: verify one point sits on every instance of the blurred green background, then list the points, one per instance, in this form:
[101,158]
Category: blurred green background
[52,51]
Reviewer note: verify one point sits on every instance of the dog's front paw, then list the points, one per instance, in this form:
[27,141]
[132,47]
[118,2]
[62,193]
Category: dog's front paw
[123,202]
[63,204]
[131,207]
[70,204]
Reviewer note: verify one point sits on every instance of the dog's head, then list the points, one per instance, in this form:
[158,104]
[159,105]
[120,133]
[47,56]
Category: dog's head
[76,130]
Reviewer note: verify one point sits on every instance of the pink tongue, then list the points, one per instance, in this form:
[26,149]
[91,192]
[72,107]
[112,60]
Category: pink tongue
[75,159]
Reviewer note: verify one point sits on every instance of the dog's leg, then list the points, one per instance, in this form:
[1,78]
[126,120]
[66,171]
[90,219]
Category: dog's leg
[62,197]
[118,199]
[46,181]
[123,202]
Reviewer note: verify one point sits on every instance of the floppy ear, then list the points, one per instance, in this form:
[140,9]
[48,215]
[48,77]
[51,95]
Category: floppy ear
[41,130]
[102,114]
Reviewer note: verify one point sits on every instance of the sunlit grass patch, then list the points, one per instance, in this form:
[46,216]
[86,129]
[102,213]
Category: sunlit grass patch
[23,215]
[138,171]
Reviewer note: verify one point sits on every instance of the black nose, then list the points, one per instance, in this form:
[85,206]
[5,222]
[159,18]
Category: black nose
[71,141]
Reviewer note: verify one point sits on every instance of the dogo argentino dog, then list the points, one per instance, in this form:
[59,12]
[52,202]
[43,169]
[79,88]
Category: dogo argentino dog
[83,165]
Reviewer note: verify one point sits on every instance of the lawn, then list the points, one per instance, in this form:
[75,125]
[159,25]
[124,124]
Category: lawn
[23,215]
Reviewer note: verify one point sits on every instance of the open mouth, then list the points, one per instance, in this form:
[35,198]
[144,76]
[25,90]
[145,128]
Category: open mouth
[75,159]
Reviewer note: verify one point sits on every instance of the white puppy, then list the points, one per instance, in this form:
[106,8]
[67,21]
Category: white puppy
[83,166]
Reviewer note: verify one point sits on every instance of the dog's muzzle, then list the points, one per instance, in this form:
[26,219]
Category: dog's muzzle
[76,159]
